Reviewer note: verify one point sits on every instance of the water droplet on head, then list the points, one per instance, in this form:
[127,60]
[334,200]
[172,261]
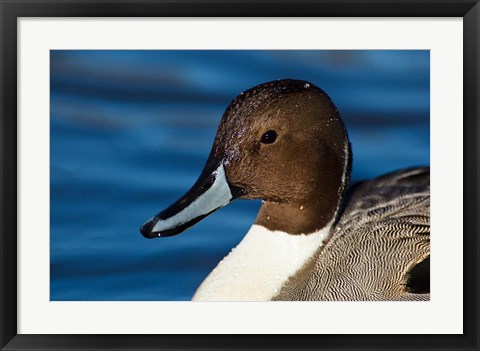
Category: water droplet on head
[306,86]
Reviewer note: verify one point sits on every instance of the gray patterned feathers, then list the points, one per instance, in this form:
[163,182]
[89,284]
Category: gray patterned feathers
[379,248]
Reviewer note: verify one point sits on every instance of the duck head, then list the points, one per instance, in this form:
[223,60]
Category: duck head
[283,142]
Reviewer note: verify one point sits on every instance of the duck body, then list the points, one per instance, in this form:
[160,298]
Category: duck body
[369,254]
[314,237]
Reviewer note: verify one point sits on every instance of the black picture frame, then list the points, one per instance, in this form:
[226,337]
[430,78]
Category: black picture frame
[11,10]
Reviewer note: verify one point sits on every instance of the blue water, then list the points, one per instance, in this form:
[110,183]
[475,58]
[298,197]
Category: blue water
[131,130]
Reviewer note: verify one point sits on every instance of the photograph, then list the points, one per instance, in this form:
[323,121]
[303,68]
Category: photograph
[261,175]
[239,175]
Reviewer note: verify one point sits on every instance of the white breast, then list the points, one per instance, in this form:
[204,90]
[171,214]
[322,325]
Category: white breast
[258,267]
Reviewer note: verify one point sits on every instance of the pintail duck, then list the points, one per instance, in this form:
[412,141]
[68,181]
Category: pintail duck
[314,238]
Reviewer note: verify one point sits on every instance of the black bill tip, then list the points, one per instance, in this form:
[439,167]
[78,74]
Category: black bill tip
[147,229]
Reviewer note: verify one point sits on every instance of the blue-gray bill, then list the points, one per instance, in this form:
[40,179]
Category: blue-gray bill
[209,193]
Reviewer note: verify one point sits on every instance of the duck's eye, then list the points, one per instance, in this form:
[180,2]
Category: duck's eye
[269,137]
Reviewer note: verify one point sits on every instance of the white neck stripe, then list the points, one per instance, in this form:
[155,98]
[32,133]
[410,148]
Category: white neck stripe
[259,266]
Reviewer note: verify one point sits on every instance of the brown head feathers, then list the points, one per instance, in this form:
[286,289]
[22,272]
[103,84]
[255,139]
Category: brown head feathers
[301,175]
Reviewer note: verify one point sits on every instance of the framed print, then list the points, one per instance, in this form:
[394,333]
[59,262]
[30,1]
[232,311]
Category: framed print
[112,111]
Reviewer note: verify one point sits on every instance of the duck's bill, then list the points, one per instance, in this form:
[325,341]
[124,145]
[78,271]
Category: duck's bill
[208,194]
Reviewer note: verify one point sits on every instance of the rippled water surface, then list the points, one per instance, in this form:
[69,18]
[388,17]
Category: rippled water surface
[131,130]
